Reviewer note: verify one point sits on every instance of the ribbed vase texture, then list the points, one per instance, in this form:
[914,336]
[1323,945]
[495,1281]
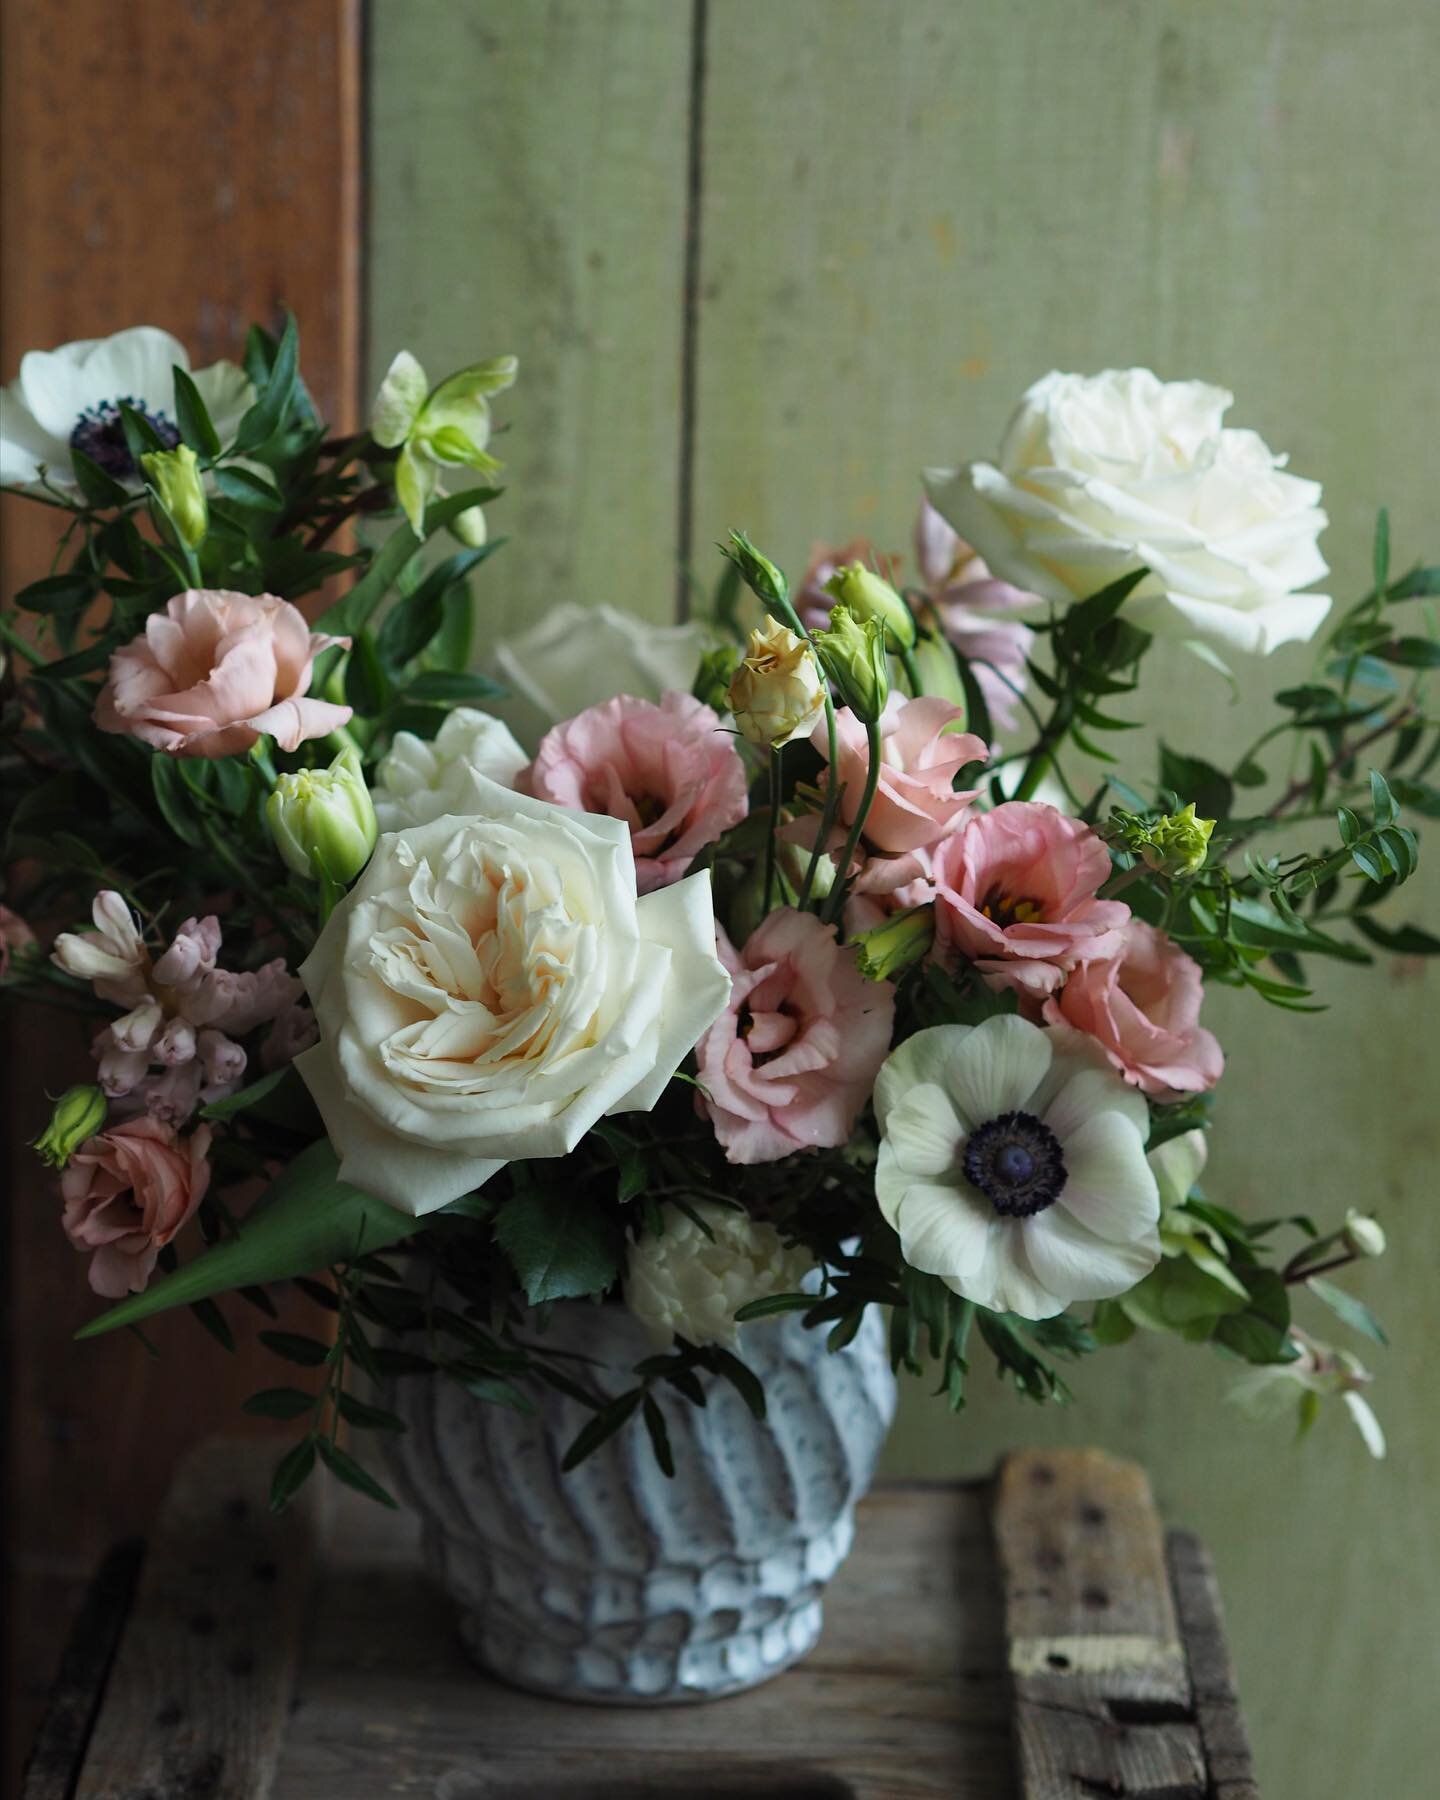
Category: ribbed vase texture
[615,1583]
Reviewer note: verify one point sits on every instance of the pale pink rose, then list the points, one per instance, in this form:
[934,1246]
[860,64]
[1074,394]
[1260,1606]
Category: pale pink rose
[972,607]
[15,935]
[112,957]
[1142,1006]
[669,771]
[811,601]
[791,1061]
[214,672]
[921,754]
[127,1192]
[1015,892]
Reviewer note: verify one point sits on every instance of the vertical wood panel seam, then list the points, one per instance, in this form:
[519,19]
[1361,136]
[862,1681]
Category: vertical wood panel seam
[690,315]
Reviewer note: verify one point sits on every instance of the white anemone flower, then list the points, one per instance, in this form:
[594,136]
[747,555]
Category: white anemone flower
[1014,1172]
[69,399]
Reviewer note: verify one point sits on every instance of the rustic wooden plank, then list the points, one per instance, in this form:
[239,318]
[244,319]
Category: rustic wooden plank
[529,195]
[197,1700]
[1102,1690]
[194,166]
[1226,1742]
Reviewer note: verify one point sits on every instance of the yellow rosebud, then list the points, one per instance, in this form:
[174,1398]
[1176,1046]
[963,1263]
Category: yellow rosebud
[776,694]
[176,479]
[323,820]
[869,596]
[79,1114]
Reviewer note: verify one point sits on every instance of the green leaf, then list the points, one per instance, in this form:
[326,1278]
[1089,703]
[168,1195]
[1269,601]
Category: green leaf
[193,417]
[291,1473]
[436,687]
[1352,1312]
[774,1303]
[496,1392]
[559,1243]
[307,1219]
[353,610]
[1368,861]
[1412,652]
[659,1435]
[211,1317]
[1400,940]
[1260,1334]
[345,1468]
[173,798]
[414,620]
[1193,779]
[365,1417]
[70,592]
[1417,585]
[367,686]
[604,1424]
[100,489]
[279,1403]
[141,437]
[740,1376]
[247,1096]
[1382,802]
[309,1352]
[267,415]
[246,488]
[1078,629]
[446,511]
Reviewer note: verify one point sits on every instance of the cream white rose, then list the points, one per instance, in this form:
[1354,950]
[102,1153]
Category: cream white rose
[679,1282]
[417,781]
[1099,474]
[492,987]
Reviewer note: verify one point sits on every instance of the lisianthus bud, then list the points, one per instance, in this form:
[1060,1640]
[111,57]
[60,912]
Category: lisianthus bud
[1179,842]
[852,654]
[712,680]
[869,596]
[78,1115]
[776,694]
[761,575]
[1363,1235]
[897,944]
[175,477]
[323,820]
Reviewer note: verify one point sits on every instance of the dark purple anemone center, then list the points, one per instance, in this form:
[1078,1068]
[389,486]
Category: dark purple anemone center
[1016,1163]
[100,435]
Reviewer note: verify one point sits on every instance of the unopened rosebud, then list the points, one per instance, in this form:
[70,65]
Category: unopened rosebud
[712,680]
[852,654]
[175,477]
[776,694]
[761,575]
[897,944]
[323,820]
[1363,1235]
[1178,843]
[869,596]
[78,1115]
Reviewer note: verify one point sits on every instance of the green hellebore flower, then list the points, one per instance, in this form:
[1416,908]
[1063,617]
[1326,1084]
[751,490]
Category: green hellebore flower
[448,428]
[175,477]
[897,944]
[869,596]
[323,820]
[79,1114]
[852,654]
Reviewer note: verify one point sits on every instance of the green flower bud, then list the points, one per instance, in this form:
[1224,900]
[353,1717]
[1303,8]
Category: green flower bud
[713,678]
[901,941]
[852,654]
[78,1115]
[1178,843]
[323,820]
[869,596]
[1363,1235]
[761,575]
[175,477]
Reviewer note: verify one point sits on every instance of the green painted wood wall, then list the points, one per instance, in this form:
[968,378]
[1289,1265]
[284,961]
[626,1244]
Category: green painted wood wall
[904,213]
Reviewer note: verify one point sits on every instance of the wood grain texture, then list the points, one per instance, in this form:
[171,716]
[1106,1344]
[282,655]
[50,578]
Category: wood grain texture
[529,195]
[193,164]
[197,1700]
[1223,1736]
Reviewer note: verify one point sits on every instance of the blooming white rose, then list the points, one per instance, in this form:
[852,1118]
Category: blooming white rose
[69,398]
[578,656]
[679,1282]
[418,781]
[491,987]
[1100,474]
[1015,1173]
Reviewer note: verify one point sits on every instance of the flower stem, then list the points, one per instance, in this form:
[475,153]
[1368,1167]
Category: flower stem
[774,826]
[1044,752]
[836,899]
[912,670]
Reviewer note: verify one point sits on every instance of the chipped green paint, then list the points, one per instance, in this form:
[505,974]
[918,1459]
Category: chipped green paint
[907,212]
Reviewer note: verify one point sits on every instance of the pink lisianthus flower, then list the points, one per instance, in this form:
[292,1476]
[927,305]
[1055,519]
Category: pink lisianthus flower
[1015,891]
[1141,1005]
[922,751]
[668,771]
[216,671]
[790,1062]
[127,1193]
[976,612]
[811,601]
[15,935]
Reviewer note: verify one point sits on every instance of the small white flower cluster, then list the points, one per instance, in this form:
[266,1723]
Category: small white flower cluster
[682,1283]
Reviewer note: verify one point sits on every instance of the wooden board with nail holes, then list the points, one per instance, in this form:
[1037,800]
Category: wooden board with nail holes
[1021,1639]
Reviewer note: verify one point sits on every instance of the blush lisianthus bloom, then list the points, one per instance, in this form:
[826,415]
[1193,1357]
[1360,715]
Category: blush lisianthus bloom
[216,671]
[924,746]
[789,1063]
[492,987]
[69,399]
[776,693]
[127,1192]
[679,1281]
[978,614]
[1014,1172]
[1141,1005]
[1099,475]
[1015,891]
[668,772]
[417,781]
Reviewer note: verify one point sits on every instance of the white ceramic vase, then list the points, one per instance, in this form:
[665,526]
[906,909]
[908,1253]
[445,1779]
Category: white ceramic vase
[614,1583]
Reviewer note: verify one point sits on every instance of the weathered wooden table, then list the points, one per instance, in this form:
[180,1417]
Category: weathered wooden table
[1033,1636]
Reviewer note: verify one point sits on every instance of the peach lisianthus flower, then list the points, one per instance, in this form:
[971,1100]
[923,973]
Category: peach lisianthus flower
[1015,891]
[214,672]
[667,771]
[922,751]
[790,1061]
[127,1192]
[1141,1005]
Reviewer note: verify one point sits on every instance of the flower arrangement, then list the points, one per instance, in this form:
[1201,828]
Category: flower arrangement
[783,961]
